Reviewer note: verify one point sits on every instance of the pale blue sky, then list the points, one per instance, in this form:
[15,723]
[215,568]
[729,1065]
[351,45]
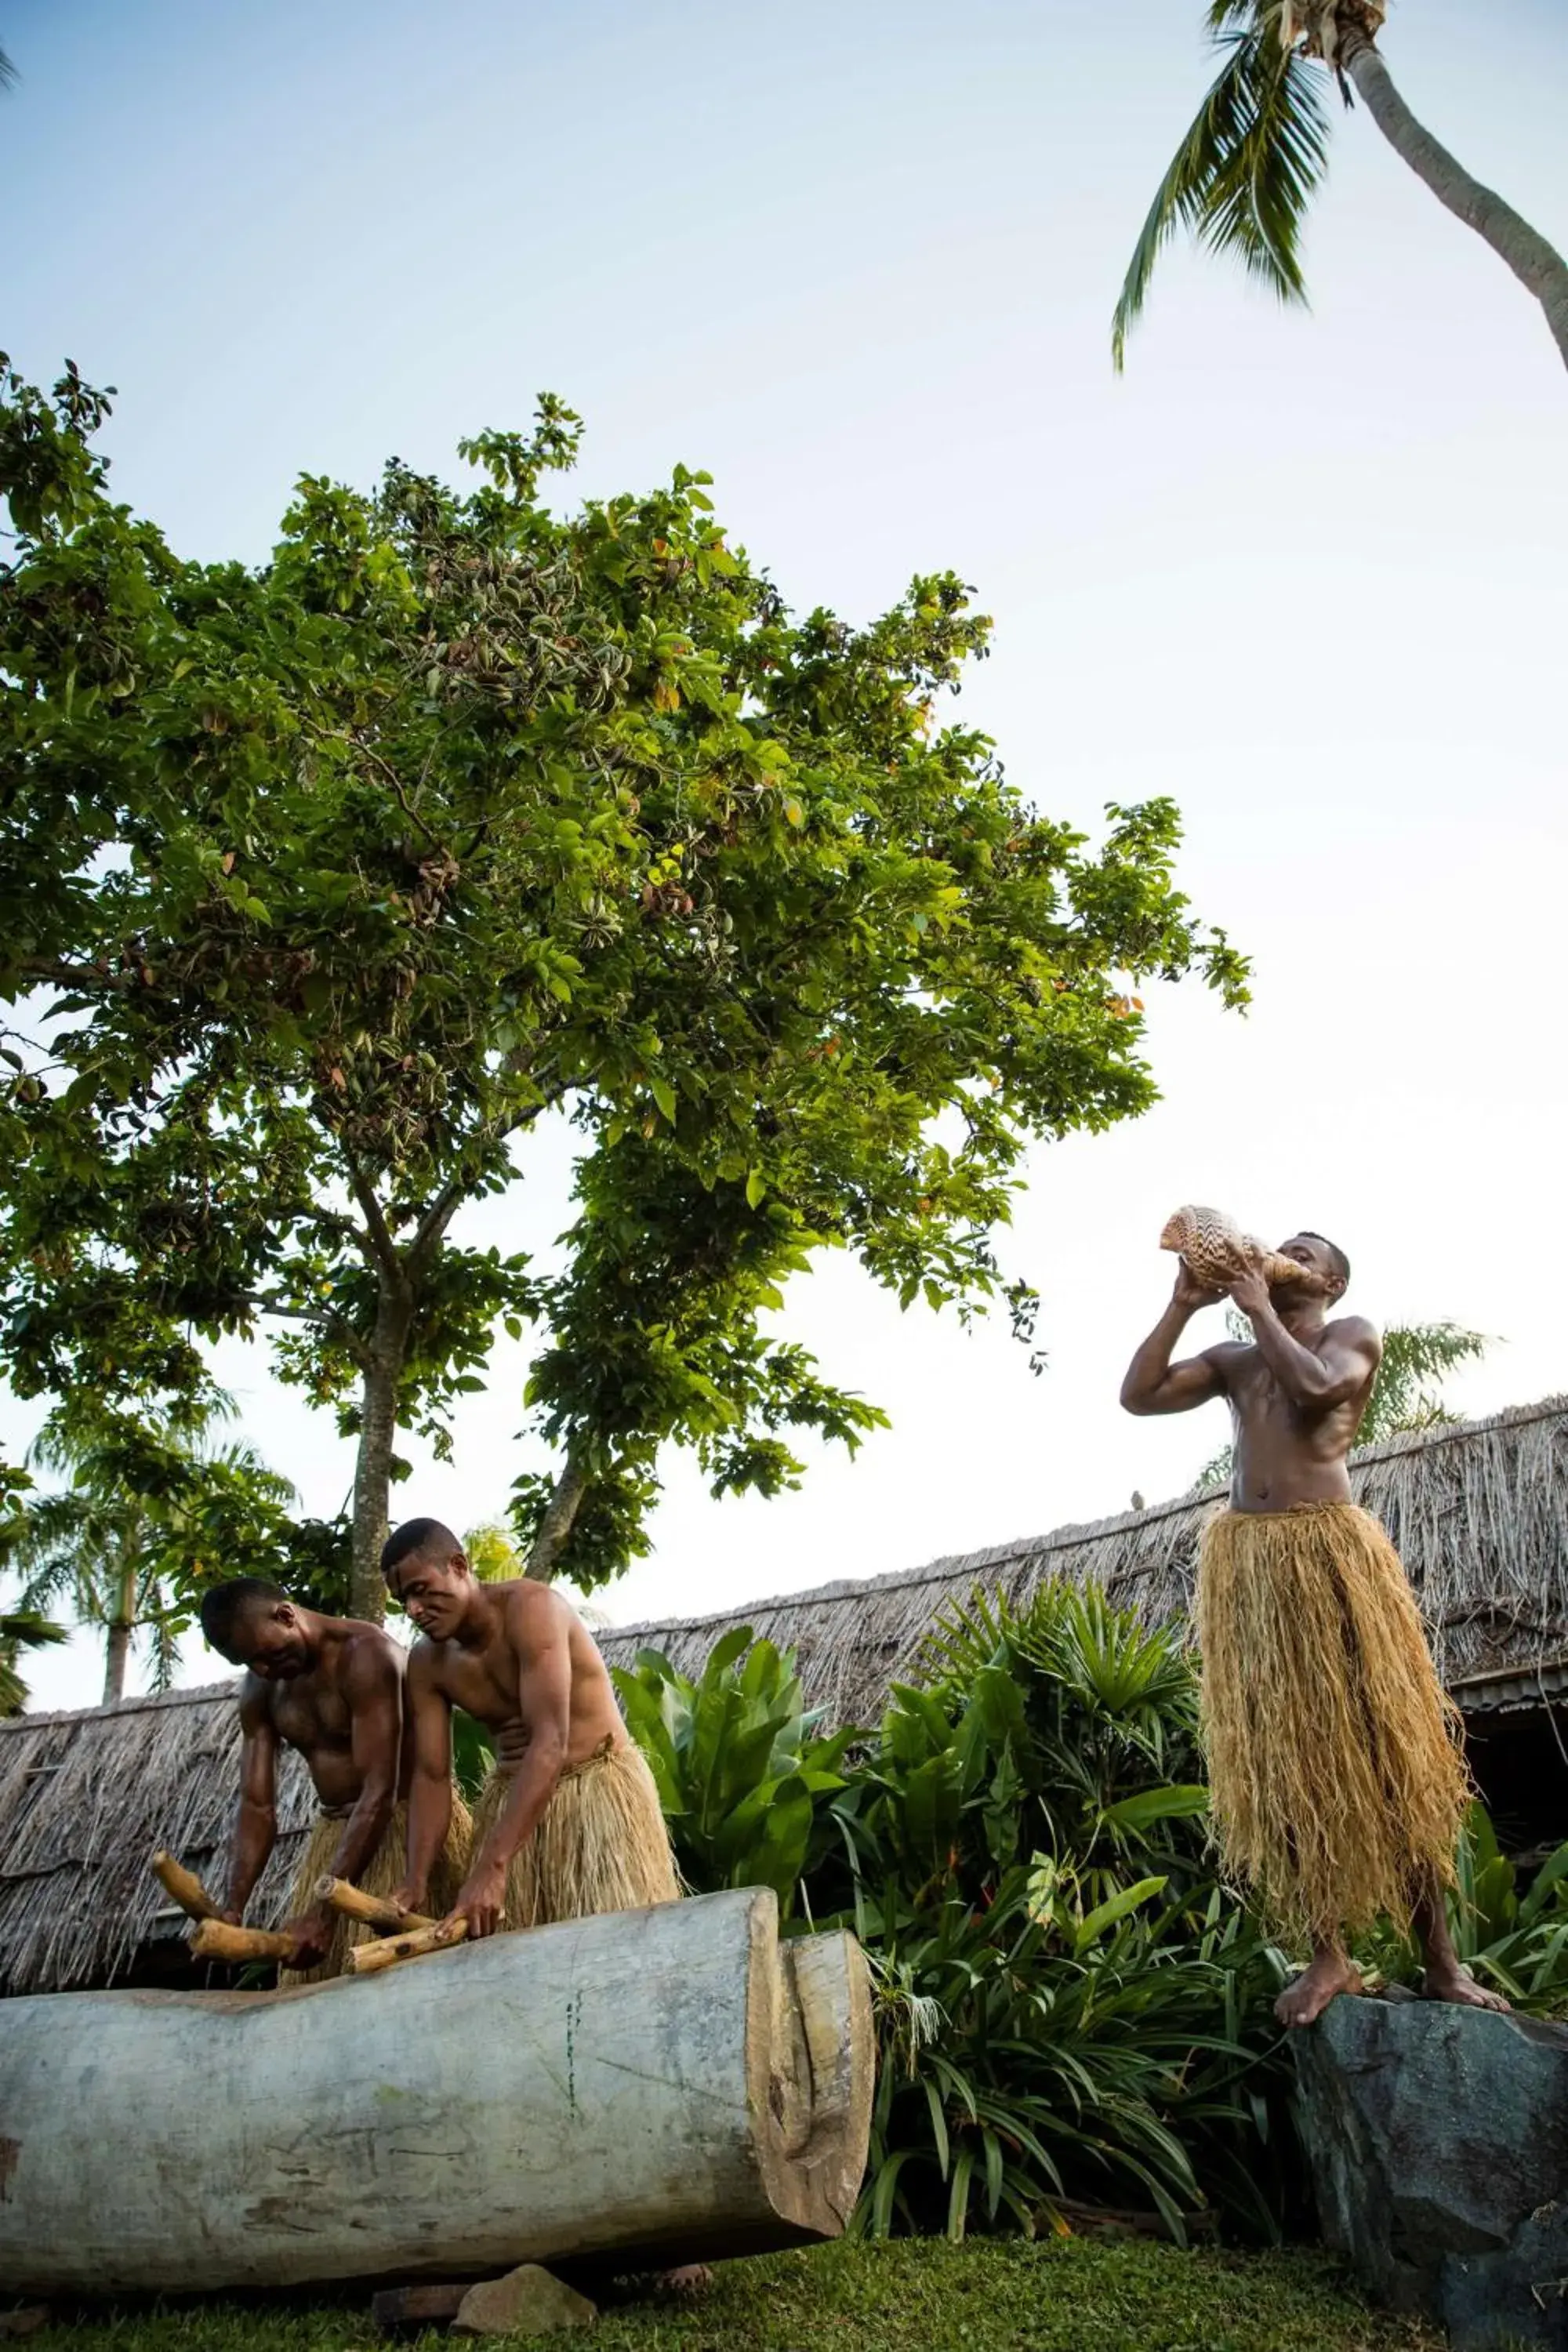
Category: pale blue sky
[1304,573]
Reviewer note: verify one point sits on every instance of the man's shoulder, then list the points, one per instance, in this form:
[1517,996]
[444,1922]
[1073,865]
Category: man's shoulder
[369,1653]
[255,1698]
[1354,1331]
[525,1603]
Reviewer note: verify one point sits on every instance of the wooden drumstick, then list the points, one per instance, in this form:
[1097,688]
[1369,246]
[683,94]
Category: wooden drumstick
[214,1940]
[371,1910]
[183,1887]
[365,1958]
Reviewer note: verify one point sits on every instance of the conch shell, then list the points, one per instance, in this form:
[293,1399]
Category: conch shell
[1214,1248]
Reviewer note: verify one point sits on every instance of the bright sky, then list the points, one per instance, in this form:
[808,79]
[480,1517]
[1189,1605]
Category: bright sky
[1304,573]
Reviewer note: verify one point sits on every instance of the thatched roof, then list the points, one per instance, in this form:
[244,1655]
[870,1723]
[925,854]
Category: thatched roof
[87,1799]
[1478,1511]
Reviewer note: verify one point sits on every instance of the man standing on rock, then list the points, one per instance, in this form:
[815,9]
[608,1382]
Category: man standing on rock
[333,1688]
[1336,1776]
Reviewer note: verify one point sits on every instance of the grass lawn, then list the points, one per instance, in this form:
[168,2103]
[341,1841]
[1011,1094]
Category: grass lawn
[1078,2294]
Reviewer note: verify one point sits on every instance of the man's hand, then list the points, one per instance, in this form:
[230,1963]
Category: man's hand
[1250,1292]
[1190,1294]
[234,1917]
[411,1898]
[311,1932]
[482,1901]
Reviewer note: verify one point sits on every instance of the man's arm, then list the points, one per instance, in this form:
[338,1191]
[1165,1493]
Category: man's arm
[430,1789]
[256,1830]
[1154,1384]
[1325,1376]
[540,1645]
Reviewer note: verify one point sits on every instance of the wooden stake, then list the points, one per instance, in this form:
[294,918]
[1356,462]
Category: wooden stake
[214,1940]
[183,1887]
[365,1958]
[373,1910]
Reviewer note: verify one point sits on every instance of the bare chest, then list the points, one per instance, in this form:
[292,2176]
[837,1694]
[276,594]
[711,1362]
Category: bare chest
[310,1714]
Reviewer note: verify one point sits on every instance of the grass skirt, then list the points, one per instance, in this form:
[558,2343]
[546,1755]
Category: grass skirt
[1336,1768]
[380,1875]
[599,1846]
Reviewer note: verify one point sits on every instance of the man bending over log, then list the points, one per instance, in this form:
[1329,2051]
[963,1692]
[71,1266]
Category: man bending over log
[333,1688]
[569,1822]
[1336,1775]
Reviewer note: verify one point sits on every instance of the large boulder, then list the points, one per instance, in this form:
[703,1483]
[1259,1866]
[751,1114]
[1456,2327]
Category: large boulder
[1437,2139]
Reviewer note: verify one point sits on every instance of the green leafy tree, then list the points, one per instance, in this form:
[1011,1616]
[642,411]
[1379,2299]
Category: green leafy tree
[336,879]
[1406,1395]
[137,1529]
[1244,174]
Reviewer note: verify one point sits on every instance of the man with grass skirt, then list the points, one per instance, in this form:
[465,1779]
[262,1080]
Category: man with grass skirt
[1336,1774]
[332,1688]
[569,1822]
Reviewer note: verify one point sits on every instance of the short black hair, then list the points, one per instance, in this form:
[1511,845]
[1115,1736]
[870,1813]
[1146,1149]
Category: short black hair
[416,1536]
[1336,1257]
[224,1605]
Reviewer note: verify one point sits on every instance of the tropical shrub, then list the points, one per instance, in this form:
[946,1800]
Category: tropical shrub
[742,1776]
[1066,2004]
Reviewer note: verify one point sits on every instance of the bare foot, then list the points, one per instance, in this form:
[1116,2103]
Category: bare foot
[692,2280]
[1453,1982]
[1329,1975]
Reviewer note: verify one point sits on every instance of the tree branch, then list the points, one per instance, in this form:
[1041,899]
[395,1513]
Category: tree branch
[382,1243]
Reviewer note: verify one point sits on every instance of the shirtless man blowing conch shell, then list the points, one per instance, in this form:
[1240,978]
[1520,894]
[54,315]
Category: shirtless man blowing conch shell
[1336,1776]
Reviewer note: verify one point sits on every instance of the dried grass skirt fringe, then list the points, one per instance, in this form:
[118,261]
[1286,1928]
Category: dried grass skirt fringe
[600,1844]
[380,1875]
[1336,1768]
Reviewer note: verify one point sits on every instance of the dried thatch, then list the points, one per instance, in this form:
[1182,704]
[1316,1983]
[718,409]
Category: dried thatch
[1478,1509]
[87,1799]
[1479,1512]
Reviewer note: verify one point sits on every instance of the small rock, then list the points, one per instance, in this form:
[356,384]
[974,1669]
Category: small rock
[527,2302]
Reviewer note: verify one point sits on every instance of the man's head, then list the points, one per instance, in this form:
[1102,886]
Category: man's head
[253,1623]
[1327,1263]
[427,1568]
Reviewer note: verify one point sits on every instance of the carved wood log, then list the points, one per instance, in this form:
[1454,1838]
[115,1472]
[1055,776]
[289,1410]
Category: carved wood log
[214,1940]
[183,1887]
[374,1909]
[662,2085]
[365,1960]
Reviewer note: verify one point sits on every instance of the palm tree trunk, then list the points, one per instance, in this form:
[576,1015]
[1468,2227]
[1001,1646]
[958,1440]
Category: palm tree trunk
[556,1524]
[1537,265]
[117,1647]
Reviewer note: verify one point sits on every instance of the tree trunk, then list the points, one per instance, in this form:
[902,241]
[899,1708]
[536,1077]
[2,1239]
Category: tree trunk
[1537,265]
[117,1647]
[559,1514]
[651,2086]
[116,1655]
[373,1470]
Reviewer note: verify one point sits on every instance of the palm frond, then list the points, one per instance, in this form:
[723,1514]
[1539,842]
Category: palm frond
[1243,177]
[22,1629]
[7,76]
